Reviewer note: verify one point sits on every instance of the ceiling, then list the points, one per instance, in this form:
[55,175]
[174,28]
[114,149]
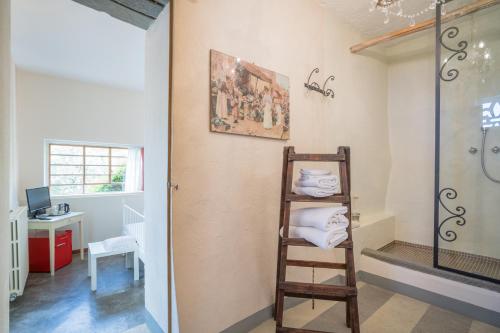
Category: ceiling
[371,24]
[83,43]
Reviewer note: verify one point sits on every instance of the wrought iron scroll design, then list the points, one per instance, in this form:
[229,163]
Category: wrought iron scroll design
[459,53]
[457,215]
[315,86]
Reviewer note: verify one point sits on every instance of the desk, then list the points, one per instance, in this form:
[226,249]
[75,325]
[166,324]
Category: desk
[54,223]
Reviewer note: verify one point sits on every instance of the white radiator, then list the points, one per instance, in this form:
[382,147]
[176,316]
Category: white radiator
[19,263]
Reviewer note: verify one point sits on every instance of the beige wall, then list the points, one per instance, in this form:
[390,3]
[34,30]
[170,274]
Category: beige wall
[410,194]
[226,211]
[50,107]
[5,115]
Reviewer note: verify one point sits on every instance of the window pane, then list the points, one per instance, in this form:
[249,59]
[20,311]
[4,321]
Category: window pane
[97,151]
[119,152]
[115,187]
[97,170]
[96,179]
[97,160]
[118,161]
[66,180]
[118,174]
[66,170]
[55,159]
[67,189]
[66,150]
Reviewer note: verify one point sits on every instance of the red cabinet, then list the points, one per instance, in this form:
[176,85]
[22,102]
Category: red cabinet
[39,255]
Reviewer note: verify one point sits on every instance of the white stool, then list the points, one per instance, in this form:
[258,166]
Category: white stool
[98,250]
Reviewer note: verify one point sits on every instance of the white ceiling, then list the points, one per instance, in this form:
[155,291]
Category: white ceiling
[64,38]
[371,24]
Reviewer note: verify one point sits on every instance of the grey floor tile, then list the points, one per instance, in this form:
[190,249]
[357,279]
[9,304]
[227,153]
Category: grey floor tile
[437,320]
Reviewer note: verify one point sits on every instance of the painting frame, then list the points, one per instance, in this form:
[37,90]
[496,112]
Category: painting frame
[246,99]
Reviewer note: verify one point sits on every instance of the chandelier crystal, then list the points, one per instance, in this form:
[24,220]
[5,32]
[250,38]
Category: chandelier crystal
[394,8]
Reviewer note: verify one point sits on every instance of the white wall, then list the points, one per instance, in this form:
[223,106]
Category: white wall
[50,107]
[13,142]
[156,168]
[103,214]
[5,114]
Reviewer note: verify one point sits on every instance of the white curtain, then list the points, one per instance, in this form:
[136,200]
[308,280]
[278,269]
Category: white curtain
[133,174]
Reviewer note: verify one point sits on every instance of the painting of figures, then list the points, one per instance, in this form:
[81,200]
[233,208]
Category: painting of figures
[247,99]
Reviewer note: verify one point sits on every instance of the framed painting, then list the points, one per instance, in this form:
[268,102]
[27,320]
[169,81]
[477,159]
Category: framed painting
[247,99]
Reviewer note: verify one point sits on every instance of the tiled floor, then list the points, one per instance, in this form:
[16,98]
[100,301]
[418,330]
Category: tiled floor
[380,311]
[64,303]
[422,254]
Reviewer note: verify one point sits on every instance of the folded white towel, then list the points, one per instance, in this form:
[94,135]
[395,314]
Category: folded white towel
[323,218]
[122,243]
[314,191]
[329,182]
[315,172]
[323,239]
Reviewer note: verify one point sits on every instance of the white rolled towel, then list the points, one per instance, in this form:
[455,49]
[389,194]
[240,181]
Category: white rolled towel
[122,243]
[328,182]
[323,218]
[323,239]
[314,191]
[315,172]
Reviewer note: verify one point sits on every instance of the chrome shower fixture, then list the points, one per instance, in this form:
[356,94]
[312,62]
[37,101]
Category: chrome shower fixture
[495,150]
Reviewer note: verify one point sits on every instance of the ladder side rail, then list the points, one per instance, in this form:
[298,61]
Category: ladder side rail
[283,246]
[352,316]
[282,211]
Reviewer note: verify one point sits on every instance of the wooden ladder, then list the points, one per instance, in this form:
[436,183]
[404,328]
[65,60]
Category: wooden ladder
[347,293]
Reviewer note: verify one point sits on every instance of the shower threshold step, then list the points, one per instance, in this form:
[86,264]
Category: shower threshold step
[419,257]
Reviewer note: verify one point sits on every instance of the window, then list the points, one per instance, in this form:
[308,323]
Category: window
[491,112]
[80,169]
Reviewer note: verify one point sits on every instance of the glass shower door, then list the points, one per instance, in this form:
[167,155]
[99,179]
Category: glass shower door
[467,219]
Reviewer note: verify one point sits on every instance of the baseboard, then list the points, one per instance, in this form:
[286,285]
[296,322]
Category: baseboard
[266,313]
[151,323]
[448,303]
[77,251]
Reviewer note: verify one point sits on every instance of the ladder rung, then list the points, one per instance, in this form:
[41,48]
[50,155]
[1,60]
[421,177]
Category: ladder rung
[315,264]
[302,242]
[322,297]
[295,330]
[317,157]
[336,198]
[317,290]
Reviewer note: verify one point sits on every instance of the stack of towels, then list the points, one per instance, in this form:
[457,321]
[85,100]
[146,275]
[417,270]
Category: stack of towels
[325,227]
[317,183]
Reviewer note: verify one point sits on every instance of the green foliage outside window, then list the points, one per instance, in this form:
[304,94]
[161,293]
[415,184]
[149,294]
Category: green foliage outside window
[117,182]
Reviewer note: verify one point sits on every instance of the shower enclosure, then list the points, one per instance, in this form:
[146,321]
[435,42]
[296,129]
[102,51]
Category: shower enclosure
[467,152]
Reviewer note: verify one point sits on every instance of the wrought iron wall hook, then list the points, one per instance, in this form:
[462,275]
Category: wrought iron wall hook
[315,86]
[328,92]
[312,85]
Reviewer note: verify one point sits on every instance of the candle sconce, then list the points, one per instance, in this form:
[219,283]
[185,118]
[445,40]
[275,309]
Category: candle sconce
[315,86]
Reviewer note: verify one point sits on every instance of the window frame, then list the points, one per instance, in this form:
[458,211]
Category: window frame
[84,145]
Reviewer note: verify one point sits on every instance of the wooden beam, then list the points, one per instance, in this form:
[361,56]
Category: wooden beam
[427,24]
